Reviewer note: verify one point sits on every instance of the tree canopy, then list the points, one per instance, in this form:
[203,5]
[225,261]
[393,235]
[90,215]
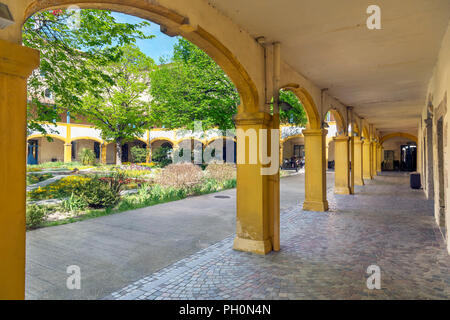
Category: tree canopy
[70,58]
[121,109]
[296,115]
[192,87]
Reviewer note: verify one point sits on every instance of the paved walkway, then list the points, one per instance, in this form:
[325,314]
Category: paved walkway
[113,251]
[324,255]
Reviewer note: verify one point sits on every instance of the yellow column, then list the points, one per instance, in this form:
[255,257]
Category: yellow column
[358,163]
[67,152]
[379,154]
[149,148]
[16,63]
[352,164]
[103,155]
[274,194]
[315,170]
[341,167]
[367,171]
[68,145]
[374,159]
[254,209]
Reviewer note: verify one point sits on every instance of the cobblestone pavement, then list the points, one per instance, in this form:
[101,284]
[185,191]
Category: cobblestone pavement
[323,255]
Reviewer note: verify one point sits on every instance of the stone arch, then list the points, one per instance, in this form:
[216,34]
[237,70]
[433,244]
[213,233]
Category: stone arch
[356,127]
[44,150]
[54,136]
[292,137]
[174,24]
[172,142]
[208,142]
[194,140]
[365,133]
[398,134]
[340,121]
[307,101]
[88,138]
[224,146]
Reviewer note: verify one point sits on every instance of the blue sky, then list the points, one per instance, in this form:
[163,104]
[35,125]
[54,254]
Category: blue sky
[160,46]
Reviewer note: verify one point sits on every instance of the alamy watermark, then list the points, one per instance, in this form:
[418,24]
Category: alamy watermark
[74,280]
[253,147]
[374,20]
[374,279]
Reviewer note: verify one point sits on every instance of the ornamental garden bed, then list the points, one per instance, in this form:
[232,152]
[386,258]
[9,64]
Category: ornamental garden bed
[102,192]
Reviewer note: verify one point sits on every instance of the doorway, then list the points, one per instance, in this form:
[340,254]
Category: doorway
[408,156]
[32,152]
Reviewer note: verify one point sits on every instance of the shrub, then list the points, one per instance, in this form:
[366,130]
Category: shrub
[162,156]
[96,193]
[100,192]
[74,203]
[139,154]
[35,215]
[221,171]
[180,176]
[87,156]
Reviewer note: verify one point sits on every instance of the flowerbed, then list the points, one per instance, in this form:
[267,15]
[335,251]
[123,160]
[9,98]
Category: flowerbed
[35,178]
[93,196]
[60,189]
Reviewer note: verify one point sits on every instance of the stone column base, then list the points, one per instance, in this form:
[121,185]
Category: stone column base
[342,190]
[255,246]
[315,205]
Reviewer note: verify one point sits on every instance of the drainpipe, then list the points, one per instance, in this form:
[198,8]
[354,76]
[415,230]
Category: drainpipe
[276,125]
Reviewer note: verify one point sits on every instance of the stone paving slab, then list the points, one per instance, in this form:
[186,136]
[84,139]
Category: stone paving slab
[323,255]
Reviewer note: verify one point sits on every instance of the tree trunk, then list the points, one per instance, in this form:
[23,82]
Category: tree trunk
[118,152]
[149,148]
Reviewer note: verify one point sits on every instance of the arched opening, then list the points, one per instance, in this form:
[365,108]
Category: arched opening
[314,151]
[40,149]
[293,149]
[400,152]
[186,146]
[134,151]
[222,149]
[198,36]
[85,143]
[174,24]
[162,151]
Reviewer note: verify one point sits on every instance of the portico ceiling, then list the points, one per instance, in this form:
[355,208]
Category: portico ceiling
[383,73]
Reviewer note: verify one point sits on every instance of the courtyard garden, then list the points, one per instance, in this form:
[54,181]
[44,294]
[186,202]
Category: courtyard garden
[94,191]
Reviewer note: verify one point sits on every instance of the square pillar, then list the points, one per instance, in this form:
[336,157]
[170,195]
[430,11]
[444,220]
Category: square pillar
[254,215]
[315,170]
[67,152]
[358,161]
[379,153]
[103,153]
[367,171]
[16,63]
[341,167]
[352,164]
[373,160]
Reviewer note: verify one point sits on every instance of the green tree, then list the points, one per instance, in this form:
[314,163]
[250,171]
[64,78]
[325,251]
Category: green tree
[121,109]
[68,56]
[192,87]
[296,115]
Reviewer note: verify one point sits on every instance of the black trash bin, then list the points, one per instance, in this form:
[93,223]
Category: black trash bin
[415,180]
